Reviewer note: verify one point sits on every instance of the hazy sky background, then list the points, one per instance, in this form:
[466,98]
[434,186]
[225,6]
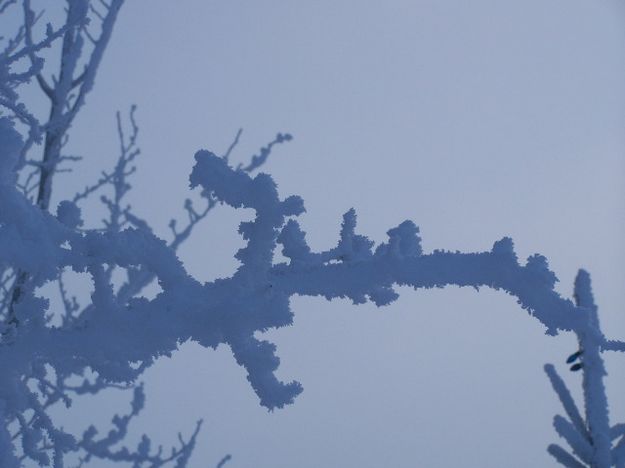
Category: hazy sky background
[477,120]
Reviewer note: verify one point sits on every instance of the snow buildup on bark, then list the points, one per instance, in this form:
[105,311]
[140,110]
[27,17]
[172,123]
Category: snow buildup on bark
[505,248]
[293,241]
[581,446]
[69,214]
[404,240]
[538,264]
[583,290]
[351,245]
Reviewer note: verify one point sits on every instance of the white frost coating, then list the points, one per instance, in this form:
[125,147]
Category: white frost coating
[580,445]
[563,457]
[255,298]
[567,401]
[590,341]
[69,214]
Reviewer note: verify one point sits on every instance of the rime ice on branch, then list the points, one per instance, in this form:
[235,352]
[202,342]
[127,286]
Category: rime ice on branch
[353,269]
[256,297]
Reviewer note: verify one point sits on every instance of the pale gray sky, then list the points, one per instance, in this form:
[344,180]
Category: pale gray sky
[476,120]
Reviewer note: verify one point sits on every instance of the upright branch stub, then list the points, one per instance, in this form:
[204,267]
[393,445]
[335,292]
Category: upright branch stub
[589,437]
[596,403]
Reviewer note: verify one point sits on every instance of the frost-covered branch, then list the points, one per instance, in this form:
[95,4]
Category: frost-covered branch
[256,297]
[65,104]
[143,455]
[259,159]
